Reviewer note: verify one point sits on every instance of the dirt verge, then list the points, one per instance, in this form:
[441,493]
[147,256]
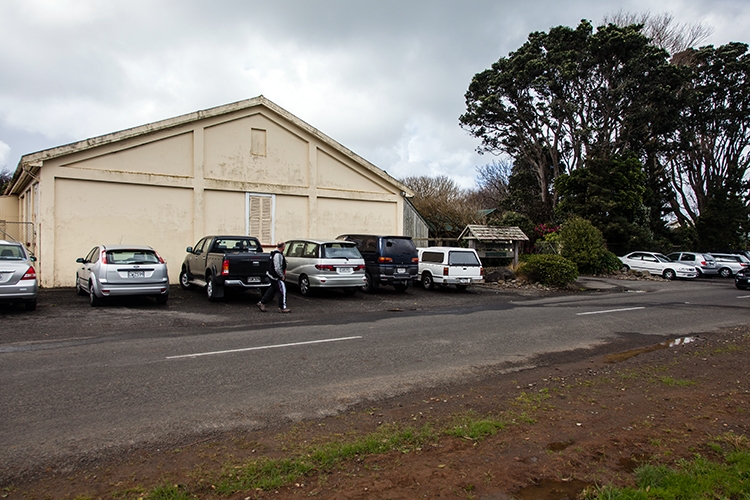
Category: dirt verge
[570,426]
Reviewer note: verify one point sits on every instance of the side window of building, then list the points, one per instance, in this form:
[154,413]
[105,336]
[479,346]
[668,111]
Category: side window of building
[260,217]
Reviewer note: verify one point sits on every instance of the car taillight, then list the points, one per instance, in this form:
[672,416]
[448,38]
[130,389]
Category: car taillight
[384,259]
[324,267]
[446,270]
[481,271]
[30,274]
[359,268]
[103,257]
[704,263]
[415,260]
[225,267]
[161,261]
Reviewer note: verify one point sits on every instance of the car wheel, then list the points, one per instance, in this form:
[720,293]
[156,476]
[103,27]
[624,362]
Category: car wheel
[725,272]
[304,286]
[30,305]
[211,289]
[740,287]
[369,285]
[79,288]
[351,290]
[162,299]
[427,282]
[185,280]
[93,299]
[625,268]
[668,274]
[461,288]
[400,287]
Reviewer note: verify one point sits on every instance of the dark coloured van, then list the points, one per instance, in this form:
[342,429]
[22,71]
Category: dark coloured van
[389,260]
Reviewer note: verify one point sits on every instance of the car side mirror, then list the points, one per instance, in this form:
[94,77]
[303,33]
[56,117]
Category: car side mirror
[32,258]
[189,249]
[80,260]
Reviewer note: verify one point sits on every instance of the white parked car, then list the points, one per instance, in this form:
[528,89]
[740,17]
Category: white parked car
[658,264]
[460,267]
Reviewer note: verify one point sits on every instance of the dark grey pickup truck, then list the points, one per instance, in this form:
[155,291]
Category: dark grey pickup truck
[219,262]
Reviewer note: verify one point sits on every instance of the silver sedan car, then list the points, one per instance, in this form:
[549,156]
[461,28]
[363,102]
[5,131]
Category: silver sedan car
[117,270]
[315,264]
[18,283]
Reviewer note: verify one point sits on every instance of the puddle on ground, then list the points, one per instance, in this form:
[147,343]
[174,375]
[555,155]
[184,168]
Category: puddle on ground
[622,356]
[548,489]
[560,445]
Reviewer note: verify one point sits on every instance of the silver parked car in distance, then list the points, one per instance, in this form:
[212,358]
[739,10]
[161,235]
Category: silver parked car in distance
[703,262]
[658,264]
[730,264]
[315,264]
[18,282]
[118,270]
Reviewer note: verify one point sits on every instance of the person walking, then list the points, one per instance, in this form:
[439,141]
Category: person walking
[277,272]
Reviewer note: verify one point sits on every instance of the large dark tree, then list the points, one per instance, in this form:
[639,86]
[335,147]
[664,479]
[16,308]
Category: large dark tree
[609,194]
[710,165]
[573,94]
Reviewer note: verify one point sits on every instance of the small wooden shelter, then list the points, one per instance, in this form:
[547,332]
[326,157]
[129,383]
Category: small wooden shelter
[494,242]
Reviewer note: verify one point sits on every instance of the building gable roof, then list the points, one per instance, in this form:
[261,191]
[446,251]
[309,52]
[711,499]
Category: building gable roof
[29,164]
[492,233]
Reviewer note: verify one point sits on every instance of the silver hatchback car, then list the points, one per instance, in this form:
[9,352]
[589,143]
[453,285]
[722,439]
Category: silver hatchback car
[324,264]
[704,263]
[18,283]
[117,270]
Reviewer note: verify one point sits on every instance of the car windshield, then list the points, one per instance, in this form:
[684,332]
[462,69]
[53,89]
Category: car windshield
[132,257]
[340,251]
[11,252]
[662,258]
[399,246]
[462,259]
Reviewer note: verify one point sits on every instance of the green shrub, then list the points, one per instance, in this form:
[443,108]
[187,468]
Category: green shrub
[583,244]
[548,269]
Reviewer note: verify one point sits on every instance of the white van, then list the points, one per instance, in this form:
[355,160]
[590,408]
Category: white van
[449,266]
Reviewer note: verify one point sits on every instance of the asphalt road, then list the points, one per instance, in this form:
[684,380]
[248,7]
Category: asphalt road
[79,381]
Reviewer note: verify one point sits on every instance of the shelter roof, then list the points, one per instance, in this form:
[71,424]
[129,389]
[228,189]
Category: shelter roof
[492,233]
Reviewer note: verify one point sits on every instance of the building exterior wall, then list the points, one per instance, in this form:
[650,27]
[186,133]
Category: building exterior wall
[9,208]
[169,187]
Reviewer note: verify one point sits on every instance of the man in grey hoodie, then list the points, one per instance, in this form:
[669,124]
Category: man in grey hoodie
[276,271]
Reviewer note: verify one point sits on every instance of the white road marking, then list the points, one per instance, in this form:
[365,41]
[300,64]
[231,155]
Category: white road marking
[743,296]
[610,311]
[195,355]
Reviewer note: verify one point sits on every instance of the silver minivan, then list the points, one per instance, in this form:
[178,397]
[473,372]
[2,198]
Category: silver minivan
[117,270]
[315,264]
[449,266]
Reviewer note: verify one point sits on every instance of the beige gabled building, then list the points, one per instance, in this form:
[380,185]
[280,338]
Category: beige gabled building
[248,167]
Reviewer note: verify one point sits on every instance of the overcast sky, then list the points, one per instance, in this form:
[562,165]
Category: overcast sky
[384,78]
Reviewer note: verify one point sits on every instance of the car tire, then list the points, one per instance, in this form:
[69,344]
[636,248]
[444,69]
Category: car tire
[725,272]
[461,288]
[211,289]
[350,290]
[79,289]
[304,286]
[668,274]
[162,298]
[427,282]
[93,299]
[400,287]
[185,281]
[625,268]
[740,287]
[369,285]
[30,305]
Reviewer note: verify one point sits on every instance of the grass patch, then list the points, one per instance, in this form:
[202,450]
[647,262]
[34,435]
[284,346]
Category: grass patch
[673,382]
[699,478]
[470,426]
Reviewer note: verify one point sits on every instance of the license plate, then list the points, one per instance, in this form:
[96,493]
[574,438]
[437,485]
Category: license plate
[345,270]
[463,281]
[400,270]
[253,279]
[136,274]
